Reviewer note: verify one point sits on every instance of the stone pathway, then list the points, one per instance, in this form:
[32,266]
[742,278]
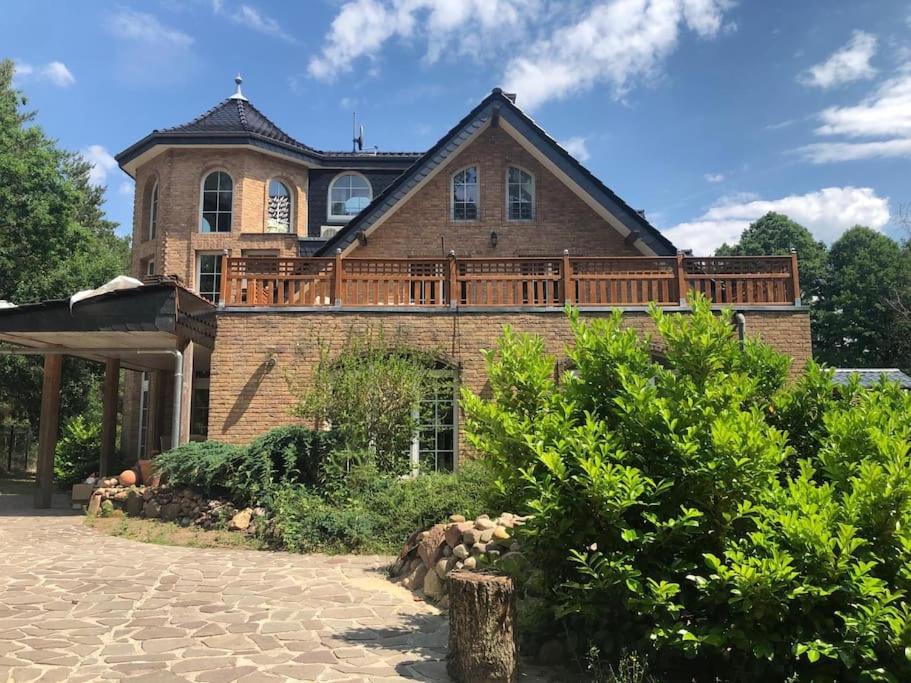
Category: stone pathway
[79,606]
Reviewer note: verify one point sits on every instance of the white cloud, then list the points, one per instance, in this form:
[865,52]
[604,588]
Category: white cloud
[126,188]
[252,18]
[883,118]
[54,72]
[615,44]
[826,213]
[577,146]
[129,24]
[850,63]
[149,52]
[102,163]
[714,177]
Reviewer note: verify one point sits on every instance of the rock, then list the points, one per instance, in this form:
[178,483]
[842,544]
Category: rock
[501,534]
[460,552]
[134,503]
[170,512]
[241,520]
[94,504]
[486,535]
[442,567]
[471,536]
[415,580]
[447,551]
[470,563]
[431,545]
[444,602]
[456,518]
[433,587]
[152,509]
[478,549]
[121,496]
[483,523]
[552,653]
[454,532]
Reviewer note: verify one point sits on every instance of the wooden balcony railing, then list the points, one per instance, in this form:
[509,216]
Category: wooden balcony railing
[605,281]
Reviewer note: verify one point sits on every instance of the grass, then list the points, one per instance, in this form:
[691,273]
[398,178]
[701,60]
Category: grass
[168,533]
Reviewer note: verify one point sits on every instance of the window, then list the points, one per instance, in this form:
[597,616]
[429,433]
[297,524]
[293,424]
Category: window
[153,212]
[199,408]
[143,414]
[217,194]
[520,195]
[208,277]
[279,210]
[150,267]
[465,195]
[349,193]
[433,449]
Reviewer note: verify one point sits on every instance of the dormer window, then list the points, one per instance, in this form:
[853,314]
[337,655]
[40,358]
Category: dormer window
[349,194]
[153,212]
[465,195]
[520,194]
[279,209]
[217,196]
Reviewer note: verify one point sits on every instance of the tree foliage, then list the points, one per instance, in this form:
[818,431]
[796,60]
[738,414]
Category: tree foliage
[54,239]
[702,509]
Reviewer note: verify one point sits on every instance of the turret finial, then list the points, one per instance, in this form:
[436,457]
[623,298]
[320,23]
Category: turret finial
[238,95]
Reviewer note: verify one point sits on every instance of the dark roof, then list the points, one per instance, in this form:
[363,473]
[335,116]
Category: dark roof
[498,103]
[236,121]
[869,377]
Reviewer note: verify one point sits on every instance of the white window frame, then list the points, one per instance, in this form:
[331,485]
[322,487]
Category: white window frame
[331,216]
[202,189]
[153,212]
[534,198]
[452,202]
[218,273]
[143,435]
[291,207]
[415,451]
[150,267]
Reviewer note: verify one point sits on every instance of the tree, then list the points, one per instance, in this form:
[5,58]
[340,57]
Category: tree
[857,326]
[54,240]
[775,233]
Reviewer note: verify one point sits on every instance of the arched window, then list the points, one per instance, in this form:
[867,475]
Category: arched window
[465,195]
[217,196]
[349,193]
[153,211]
[520,194]
[279,209]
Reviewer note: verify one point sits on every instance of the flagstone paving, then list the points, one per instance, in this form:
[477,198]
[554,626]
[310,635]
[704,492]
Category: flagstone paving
[78,606]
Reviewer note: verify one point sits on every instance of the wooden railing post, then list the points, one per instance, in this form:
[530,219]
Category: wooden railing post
[337,278]
[569,294]
[795,277]
[681,279]
[223,288]
[453,279]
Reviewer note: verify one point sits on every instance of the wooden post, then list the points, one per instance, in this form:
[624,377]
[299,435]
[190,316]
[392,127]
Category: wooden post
[223,288]
[681,279]
[453,280]
[337,278]
[47,429]
[482,628]
[795,277]
[9,451]
[569,294]
[109,414]
[186,399]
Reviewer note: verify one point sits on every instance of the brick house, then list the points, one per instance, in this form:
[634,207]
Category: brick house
[297,248]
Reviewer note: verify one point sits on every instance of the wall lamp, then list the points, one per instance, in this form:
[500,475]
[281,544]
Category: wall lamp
[494,238]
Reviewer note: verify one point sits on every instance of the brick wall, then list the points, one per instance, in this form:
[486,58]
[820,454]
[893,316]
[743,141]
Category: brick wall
[422,226]
[250,396]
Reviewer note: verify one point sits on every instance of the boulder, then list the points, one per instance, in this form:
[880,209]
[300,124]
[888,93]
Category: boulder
[483,523]
[433,586]
[431,545]
[460,552]
[415,579]
[152,509]
[501,534]
[442,567]
[170,512]
[471,536]
[134,503]
[456,518]
[94,503]
[241,521]
[454,532]
[470,563]
[486,535]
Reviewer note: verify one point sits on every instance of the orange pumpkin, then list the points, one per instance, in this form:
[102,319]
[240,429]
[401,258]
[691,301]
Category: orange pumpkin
[127,478]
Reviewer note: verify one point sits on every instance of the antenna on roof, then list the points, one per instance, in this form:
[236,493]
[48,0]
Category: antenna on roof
[238,95]
[357,134]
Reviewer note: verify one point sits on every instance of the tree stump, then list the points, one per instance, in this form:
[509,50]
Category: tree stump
[482,628]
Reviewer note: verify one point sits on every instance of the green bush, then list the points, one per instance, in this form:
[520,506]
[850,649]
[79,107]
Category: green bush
[206,466]
[78,451]
[702,511]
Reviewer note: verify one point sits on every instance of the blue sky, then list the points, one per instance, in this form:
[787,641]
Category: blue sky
[704,113]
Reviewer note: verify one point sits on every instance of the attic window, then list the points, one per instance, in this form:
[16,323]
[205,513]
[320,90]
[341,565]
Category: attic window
[349,194]
[279,209]
[465,195]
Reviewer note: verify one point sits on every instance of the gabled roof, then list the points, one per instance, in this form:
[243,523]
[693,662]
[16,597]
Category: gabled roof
[235,121]
[499,105]
[869,377]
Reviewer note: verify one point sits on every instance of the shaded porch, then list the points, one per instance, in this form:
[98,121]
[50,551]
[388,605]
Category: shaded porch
[160,329]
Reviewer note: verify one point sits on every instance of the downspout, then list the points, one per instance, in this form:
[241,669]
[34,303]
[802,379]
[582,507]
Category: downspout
[178,391]
[740,322]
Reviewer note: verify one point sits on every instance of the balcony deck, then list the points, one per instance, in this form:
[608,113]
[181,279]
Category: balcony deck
[506,283]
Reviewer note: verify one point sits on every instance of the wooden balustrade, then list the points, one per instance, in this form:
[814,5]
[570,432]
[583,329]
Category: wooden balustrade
[507,282]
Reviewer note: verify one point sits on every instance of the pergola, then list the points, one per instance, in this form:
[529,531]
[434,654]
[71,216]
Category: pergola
[154,327]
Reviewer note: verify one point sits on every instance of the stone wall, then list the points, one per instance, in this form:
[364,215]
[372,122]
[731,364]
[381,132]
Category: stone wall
[255,352]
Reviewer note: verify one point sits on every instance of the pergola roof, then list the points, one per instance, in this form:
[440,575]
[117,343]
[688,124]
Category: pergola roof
[121,324]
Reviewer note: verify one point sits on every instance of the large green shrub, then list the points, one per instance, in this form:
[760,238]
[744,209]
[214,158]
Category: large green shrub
[206,466]
[674,514]
[78,450]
